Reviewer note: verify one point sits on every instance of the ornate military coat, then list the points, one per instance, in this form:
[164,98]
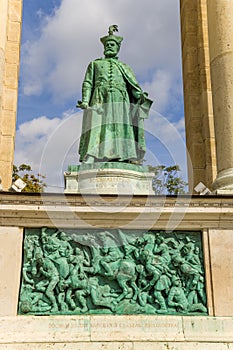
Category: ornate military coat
[111,129]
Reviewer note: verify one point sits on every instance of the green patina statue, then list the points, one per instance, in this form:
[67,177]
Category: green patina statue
[112,272]
[114,109]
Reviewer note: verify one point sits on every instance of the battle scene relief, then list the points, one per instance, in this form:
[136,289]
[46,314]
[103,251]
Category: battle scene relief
[112,272]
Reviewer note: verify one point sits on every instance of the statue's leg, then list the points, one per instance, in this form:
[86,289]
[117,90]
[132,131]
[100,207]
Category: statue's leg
[197,307]
[50,293]
[61,301]
[136,291]
[69,299]
[107,268]
[82,300]
[161,301]
[123,284]
[142,298]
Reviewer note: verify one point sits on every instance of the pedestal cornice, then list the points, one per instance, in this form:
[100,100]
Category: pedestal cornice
[157,212]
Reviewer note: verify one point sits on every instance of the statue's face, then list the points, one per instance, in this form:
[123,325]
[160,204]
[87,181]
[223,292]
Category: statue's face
[111,48]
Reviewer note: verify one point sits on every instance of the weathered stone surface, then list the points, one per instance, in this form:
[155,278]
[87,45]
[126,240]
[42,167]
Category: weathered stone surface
[14,31]
[120,332]
[118,346]
[221,248]
[109,181]
[7,149]
[218,329]
[12,53]
[10,266]
[70,346]
[154,212]
[3,23]
[44,329]
[180,346]
[7,125]
[136,328]
[10,73]
[15,10]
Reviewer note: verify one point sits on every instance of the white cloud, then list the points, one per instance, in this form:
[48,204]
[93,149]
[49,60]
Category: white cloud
[165,142]
[159,89]
[49,145]
[37,128]
[69,39]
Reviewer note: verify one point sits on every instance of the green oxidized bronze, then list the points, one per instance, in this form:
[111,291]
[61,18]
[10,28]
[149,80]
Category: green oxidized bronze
[112,272]
[114,109]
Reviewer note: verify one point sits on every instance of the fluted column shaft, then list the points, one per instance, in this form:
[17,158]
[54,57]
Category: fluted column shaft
[220,26]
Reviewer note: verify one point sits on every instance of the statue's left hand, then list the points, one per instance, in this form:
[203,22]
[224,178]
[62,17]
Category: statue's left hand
[137,94]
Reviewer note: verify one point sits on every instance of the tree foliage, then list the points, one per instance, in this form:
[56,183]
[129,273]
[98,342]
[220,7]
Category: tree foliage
[167,180]
[34,183]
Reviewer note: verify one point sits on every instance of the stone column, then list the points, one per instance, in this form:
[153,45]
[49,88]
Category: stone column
[3,28]
[10,32]
[220,25]
[200,137]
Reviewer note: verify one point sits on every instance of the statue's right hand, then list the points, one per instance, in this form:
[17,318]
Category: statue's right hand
[82,105]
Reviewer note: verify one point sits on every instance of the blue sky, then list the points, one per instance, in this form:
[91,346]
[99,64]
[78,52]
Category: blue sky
[59,39]
[35,14]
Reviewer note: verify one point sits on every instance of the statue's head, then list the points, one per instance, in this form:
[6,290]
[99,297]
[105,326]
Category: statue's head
[63,236]
[111,42]
[26,307]
[111,49]
[176,281]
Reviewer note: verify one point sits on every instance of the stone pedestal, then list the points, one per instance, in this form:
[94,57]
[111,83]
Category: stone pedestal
[136,332]
[211,215]
[109,178]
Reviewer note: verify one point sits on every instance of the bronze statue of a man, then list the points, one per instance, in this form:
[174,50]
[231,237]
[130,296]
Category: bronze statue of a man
[114,108]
